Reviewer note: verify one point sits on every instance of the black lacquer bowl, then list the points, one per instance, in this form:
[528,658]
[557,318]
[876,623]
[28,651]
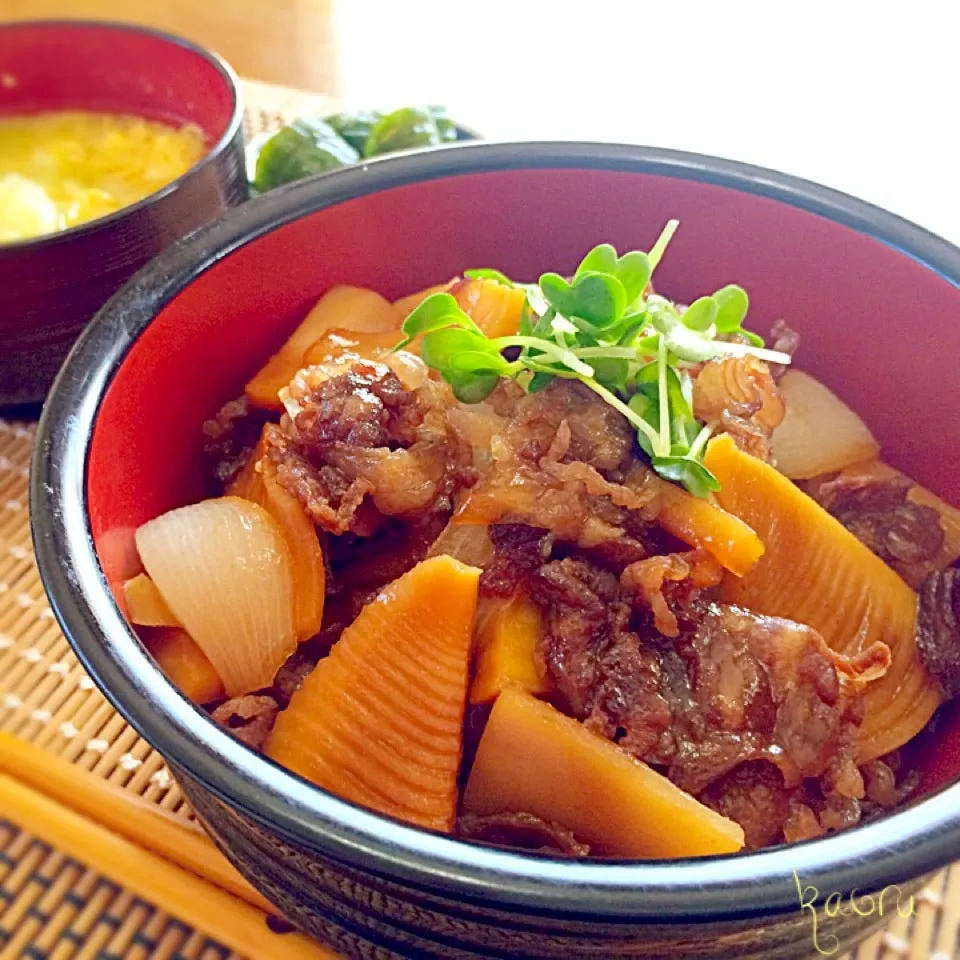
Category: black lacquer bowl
[877,302]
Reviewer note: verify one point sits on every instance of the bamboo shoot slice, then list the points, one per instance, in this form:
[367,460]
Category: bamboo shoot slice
[379,722]
[817,573]
[494,308]
[533,759]
[507,636]
[701,523]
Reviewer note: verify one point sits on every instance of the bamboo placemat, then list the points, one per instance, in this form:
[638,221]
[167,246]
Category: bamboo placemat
[53,907]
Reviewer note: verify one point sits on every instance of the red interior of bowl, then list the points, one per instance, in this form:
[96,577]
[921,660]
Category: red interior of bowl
[877,326]
[102,67]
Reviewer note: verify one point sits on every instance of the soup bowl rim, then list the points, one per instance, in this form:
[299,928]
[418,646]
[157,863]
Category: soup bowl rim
[210,154]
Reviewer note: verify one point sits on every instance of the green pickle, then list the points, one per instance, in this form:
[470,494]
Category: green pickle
[304,148]
[355,127]
[409,129]
[309,146]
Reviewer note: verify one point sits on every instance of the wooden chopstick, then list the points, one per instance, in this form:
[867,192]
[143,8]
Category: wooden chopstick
[174,890]
[122,811]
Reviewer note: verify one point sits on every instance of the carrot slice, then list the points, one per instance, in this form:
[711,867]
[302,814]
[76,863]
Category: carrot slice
[352,308]
[701,523]
[815,572]
[534,759]
[495,308]
[257,482]
[406,305]
[380,721]
[145,604]
[248,483]
[338,343]
[306,555]
[186,665]
[508,633]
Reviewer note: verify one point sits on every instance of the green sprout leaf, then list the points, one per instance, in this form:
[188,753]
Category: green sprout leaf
[633,271]
[597,298]
[601,259]
[476,362]
[540,381]
[681,414]
[701,314]
[687,472]
[605,329]
[436,312]
[460,350]
[732,305]
[468,388]
[612,372]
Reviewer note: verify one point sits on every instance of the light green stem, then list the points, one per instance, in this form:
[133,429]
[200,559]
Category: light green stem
[559,354]
[700,442]
[656,252]
[663,396]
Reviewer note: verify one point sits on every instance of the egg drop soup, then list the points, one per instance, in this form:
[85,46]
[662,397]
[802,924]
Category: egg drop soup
[58,170]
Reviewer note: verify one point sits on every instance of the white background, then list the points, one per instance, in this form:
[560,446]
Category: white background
[864,97]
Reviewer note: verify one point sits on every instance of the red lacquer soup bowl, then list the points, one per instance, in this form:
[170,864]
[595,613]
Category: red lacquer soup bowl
[54,284]
[877,302]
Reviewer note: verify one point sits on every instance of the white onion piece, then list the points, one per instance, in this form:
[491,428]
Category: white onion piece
[469,543]
[224,569]
[820,433]
[409,369]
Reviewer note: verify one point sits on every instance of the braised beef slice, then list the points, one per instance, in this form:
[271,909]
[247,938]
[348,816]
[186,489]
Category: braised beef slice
[362,446]
[753,795]
[519,550]
[731,687]
[521,831]
[879,515]
[598,434]
[585,615]
[328,497]
[229,438]
[938,628]
[364,564]
[296,668]
[670,583]
[564,461]
[887,783]
[784,339]
[367,406]
[249,718]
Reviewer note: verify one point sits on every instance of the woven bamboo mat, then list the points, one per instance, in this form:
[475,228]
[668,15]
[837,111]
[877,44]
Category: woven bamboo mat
[53,907]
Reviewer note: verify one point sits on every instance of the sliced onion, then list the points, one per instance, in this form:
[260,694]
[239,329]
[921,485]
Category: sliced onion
[469,543]
[224,569]
[820,433]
